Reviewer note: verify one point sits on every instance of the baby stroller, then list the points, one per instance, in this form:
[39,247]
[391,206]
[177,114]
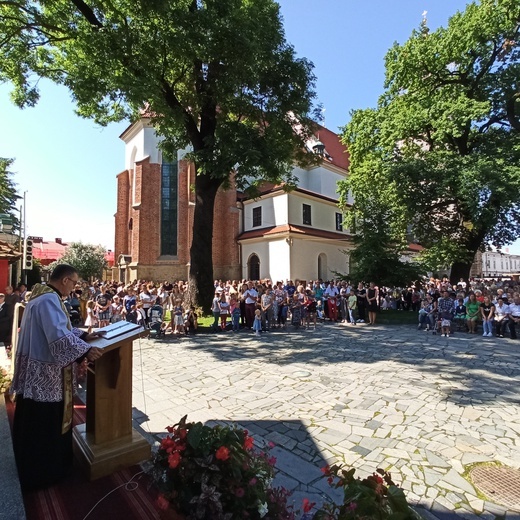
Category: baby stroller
[74,315]
[155,321]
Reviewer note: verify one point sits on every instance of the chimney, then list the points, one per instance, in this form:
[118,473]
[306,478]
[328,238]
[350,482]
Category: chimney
[57,240]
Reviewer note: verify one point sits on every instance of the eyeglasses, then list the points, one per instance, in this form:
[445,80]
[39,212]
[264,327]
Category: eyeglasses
[72,280]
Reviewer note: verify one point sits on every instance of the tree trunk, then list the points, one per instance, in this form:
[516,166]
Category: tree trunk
[459,270]
[201,283]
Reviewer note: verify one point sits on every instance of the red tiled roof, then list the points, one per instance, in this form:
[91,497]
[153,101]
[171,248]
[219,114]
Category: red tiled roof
[334,147]
[415,247]
[48,250]
[295,230]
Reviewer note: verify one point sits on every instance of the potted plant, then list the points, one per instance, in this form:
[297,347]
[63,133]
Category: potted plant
[216,472]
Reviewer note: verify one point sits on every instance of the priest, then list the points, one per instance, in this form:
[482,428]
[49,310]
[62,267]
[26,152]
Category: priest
[48,348]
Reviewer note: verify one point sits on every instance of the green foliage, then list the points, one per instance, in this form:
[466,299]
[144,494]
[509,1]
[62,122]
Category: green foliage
[214,74]
[440,155]
[8,195]
[88,259]
[375,497]
[376,259]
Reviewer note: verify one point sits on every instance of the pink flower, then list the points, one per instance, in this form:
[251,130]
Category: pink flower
[222,453]
[271,461]
[253,481]
[239,492]
[271,444]
[352,506]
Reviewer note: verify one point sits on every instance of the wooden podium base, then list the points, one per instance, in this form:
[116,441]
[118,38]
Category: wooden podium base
[100,460]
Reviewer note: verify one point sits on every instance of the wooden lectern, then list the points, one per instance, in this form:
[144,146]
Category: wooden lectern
[107,442]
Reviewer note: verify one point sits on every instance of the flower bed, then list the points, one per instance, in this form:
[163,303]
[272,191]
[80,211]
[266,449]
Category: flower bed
[215,472]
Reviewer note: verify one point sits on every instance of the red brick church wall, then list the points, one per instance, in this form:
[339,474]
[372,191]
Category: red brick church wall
[142,242]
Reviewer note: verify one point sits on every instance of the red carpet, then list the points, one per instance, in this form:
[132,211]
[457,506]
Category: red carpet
[74,498]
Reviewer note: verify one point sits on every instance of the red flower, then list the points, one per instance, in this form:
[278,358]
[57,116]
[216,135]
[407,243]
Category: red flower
[307,505]
[326,470]
[170,429]
[271,461]
[174,460]
[377,478]
[239,492]
[248,443]
[271,444]
[183,433]
[168,444]
[222,453]
[162,502]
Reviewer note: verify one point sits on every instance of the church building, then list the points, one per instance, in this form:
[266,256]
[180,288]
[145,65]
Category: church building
[280,235]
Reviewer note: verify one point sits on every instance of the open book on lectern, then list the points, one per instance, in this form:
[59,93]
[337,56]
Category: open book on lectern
[118,329]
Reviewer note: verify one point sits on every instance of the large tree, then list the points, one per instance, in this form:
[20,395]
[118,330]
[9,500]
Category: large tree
[217,75]
[88,259]
[8,194]
[440,155]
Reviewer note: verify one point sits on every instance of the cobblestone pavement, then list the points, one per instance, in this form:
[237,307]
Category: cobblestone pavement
[424,407]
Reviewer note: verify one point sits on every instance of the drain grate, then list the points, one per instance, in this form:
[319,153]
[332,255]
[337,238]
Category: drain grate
[502,485]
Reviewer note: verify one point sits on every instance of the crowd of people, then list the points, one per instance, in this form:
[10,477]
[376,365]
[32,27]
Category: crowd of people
[246,304]
[444,308]
[263,305]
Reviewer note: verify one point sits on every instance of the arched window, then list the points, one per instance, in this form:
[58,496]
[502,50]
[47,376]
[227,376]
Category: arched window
[253,267]
[322,266]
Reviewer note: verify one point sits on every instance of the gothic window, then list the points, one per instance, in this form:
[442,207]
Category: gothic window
[169,174]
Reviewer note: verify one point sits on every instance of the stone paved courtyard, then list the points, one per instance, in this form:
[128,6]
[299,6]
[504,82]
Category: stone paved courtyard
[424,407]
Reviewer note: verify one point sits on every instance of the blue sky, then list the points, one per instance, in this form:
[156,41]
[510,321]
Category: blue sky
[68,165]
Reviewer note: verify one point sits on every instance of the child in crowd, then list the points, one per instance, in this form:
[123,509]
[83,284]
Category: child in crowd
[310,309]
[224,311]
[352,306]
[234,309]
[91,320]
[117,310]
[257,323]
[445,327]
[190,321]
[140,314]
[319,310]
[178,320]
[460,314]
